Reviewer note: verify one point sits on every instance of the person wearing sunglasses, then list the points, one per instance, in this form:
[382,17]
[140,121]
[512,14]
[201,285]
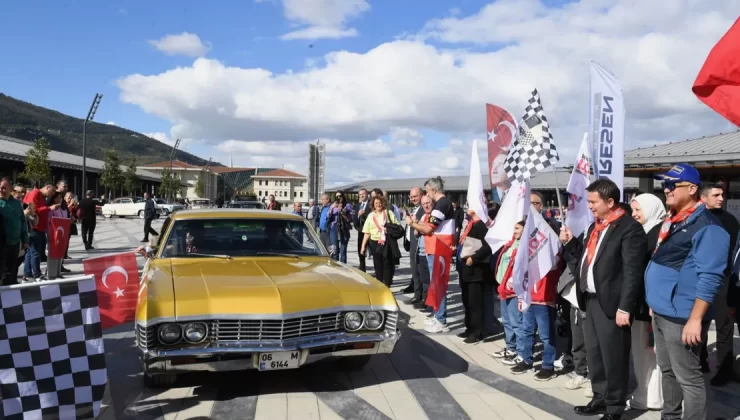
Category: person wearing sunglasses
[682,281]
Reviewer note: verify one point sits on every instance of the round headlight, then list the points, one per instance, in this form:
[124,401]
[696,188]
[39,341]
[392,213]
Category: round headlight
[353,321]
[195,333]
[170,333]
[373,320]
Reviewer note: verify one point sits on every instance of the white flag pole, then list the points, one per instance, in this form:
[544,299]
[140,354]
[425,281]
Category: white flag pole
[557,192]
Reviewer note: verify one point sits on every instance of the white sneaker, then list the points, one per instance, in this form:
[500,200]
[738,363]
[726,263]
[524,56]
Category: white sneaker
[588,392]
[429,320]
[436,327]
[563,363]
[512,361]
[502,354]
[576,381]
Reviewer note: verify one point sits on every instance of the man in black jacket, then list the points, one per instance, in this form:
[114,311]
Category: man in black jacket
[88,219]
[150,212]
[358,220]
[609,262]
[416,285]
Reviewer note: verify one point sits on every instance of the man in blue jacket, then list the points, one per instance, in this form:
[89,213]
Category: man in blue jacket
[681,283]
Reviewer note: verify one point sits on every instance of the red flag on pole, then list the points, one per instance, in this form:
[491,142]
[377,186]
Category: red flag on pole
[440,275]
[501,129]
[117,283]
[718,82]
[58,237]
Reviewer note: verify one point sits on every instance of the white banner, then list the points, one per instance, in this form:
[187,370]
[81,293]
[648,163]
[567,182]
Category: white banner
[476,196]
[579,216]
[607,125]
[511,211]
[520,271]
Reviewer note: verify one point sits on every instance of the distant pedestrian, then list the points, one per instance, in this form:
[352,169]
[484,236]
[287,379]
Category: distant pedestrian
[88,219]
[150,212]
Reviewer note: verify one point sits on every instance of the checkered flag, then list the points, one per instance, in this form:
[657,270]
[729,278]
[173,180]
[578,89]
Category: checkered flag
[52,359]
[533,149]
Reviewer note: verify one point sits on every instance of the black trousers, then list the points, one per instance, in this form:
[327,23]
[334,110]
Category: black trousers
[88,231]
[148,229]
[608,353]
[360,255]
[9,264]
[472,298]
[384,269]
[422,269]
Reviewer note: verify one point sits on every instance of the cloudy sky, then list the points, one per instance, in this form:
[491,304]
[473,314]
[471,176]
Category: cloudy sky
[394,88]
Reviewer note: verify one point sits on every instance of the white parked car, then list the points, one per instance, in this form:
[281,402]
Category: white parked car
[166,208]
[126,206]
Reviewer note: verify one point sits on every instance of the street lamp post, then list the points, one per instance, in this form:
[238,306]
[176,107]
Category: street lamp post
[90,117]
[172,177]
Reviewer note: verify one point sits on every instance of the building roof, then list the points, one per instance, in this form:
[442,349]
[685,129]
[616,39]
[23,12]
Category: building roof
[279,173]
[15,149]
[227,169]
[540,181]
[719,149]
[166,164]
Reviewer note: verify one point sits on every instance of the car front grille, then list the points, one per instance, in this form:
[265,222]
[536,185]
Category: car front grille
[145,336]
[276,330]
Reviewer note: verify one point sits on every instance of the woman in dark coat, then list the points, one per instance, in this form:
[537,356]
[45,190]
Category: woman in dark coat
[476,273]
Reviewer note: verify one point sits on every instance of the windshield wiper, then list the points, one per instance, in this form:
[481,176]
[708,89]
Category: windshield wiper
[279,254]
[196,254]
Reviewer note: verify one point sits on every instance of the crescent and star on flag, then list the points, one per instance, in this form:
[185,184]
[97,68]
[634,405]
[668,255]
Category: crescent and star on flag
[114,269]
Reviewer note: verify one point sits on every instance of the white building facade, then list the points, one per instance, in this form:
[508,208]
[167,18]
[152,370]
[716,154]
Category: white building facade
[189,178]
[287,186]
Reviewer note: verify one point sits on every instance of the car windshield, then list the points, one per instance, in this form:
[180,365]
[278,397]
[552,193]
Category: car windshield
[256,205]
[241,237]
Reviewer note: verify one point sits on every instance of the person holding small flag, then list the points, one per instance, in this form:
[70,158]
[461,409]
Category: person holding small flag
[608,261]
[511,317]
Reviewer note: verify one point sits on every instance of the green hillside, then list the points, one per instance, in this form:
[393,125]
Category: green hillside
[26,121]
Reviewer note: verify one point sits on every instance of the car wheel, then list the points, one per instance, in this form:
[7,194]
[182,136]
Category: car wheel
[354,362]
[141,214]
[107,216]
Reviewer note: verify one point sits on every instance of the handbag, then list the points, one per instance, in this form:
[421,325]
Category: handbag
[469,247]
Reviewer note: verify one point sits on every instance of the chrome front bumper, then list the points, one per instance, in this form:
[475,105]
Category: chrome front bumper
[240,356]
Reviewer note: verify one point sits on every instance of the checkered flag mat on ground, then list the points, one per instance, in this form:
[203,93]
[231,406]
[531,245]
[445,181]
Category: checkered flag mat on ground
[52,358]
[533,149]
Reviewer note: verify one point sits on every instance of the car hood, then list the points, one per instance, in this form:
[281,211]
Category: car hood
[272,286]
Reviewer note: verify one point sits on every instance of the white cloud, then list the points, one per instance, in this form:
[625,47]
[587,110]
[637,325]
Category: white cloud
[406,137]
[186,44]
[322,18]
[356,96]
[111,123]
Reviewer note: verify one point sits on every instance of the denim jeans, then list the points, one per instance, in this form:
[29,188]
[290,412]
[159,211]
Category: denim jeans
[542,318]
[512,320]
[341,245]
[441,314]
[334,243]
[683,381]
[32,260]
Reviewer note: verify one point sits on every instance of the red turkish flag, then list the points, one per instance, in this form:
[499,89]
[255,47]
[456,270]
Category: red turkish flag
[117,282]
[58,234]
[718,82]
[440,276]
[501,129]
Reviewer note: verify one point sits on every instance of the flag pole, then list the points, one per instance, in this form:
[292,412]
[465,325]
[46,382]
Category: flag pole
[557,192]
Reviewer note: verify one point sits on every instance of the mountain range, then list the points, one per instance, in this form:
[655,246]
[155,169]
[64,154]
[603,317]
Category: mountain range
[26,121]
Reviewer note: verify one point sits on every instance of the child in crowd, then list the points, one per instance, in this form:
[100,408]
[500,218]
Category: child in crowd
[510,315]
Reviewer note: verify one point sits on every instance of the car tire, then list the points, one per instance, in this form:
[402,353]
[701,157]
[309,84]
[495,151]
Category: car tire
[355,362]
[141,214]
[107,215]
[159,381]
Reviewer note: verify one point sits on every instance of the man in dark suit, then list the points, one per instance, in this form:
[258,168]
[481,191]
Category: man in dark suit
[150,212]
[362,209]
[88,219]
[609,262]
[416,284]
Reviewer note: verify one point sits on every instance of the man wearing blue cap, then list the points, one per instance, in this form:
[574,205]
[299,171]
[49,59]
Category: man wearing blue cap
[682,281]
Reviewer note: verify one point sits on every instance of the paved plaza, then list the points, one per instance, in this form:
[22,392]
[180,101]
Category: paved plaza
[427,377]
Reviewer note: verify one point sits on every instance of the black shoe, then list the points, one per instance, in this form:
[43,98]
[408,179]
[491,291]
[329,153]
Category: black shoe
[464,334]
[411,301]
[590,409]
[522,367]
[472,339]
[545,375]
[145,240]
[65,270]
[409,289]
[420,305]
[611,417]
[722,378]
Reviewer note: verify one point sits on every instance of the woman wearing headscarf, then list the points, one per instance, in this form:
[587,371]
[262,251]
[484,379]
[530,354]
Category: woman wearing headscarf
[649,210]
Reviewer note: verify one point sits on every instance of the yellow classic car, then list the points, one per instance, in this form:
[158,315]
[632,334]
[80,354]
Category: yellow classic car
[233,289]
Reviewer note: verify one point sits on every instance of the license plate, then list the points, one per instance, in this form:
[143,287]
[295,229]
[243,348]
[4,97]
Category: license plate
[279,360]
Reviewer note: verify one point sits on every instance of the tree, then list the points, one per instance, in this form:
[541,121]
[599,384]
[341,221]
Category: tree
[200,184]
[170,184]
[37,168]
[130,178]
[112,176]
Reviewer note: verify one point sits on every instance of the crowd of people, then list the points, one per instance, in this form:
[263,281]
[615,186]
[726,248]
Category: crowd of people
[25,223]
[643,282]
